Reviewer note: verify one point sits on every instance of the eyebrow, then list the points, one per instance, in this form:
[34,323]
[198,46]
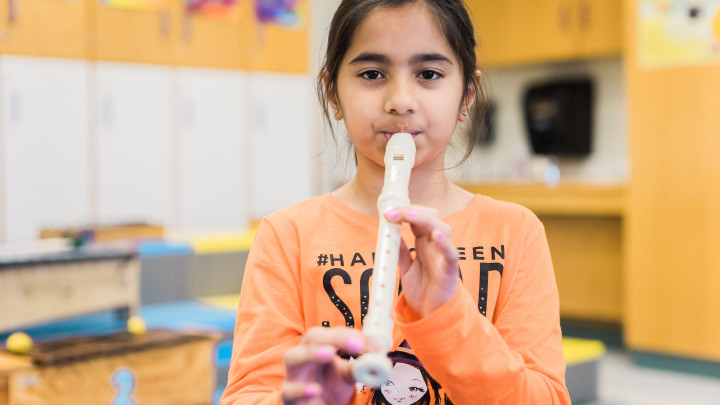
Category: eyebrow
[385,60]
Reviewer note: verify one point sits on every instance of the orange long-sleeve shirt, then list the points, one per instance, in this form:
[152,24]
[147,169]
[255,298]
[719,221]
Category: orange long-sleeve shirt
[498,341]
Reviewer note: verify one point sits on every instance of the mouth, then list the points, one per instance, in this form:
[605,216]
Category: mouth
[389,135]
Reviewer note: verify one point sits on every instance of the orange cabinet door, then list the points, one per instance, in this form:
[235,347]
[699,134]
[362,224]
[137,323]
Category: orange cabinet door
[54,28]
[281,41]
[501,31]
[601,27]
[214,37]
[553,30]
[144,34]
[514,32]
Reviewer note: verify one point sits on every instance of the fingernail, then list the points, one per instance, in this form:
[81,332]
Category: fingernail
[393,214]
[312,391]
[324,353]
[354,344]
[439,236]
[411,213]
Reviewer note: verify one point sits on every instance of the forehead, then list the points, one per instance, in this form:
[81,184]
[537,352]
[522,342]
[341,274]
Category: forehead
[396,31]
[405,373]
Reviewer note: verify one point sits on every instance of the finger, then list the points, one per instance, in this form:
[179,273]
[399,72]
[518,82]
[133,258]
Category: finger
[299,357]
[448,250]
[349,340]
[424,220]
[295,392]
[404,258]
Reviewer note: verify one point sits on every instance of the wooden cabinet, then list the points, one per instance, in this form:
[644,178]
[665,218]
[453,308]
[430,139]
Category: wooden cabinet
[217,41]
[583,225]
[132,153]
[44,180]
[132,35]
[528,31]
[213,151]
[43,28]
[673,228]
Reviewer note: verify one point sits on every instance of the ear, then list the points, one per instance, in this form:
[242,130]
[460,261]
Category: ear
[470,97]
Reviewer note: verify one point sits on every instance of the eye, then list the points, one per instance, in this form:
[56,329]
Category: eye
[371,75]
[416,389]
[430,75]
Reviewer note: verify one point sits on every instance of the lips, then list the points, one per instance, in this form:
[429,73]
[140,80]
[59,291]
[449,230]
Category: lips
[388,135]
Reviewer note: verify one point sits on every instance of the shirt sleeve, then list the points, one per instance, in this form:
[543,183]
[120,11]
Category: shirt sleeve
[517,359]
[269,319]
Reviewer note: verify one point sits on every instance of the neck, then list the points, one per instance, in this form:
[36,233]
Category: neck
[428,187]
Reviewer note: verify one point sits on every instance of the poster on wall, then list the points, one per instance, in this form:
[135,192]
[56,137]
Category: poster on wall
[677,33]
[137,5]
[281,35]
[228,10]
[286,13]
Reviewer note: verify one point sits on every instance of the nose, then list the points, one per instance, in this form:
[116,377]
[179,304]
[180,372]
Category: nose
[400,96]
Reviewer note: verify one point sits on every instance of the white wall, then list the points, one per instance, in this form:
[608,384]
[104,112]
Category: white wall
[509,158]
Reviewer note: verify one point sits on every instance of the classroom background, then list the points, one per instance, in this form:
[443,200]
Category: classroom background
[142,140]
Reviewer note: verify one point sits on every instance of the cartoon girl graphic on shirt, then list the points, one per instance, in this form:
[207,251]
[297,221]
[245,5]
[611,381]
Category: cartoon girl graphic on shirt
[409,383]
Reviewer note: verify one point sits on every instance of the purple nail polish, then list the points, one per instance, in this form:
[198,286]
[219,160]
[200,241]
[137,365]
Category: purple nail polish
[393,214]
[312,391]
[354,344]
[411,213]
[440,236]
[324,353]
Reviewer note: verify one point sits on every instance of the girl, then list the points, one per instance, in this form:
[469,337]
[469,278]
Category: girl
[478,306]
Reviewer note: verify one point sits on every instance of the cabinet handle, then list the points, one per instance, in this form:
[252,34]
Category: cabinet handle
[165,24]
[564,16]
[188,26]
[585,15]
[12,11]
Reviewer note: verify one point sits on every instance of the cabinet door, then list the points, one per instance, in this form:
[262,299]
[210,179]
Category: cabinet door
[281,36]
[600,27]
[45,145]
[43,27]
[501,30]
[133,142]
[212,40]
[132,35]
[214,153]
[283,167]
[553,30]
[531,31]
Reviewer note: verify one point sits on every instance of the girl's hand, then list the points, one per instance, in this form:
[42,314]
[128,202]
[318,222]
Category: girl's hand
[315,374]
[431,279]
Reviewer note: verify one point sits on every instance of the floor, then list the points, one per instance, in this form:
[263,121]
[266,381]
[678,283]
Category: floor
[620,382]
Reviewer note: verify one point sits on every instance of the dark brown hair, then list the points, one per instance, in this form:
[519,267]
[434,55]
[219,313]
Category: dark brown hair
[452,18]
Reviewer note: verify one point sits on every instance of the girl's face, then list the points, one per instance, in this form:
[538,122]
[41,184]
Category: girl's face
[400,75]
[406,385]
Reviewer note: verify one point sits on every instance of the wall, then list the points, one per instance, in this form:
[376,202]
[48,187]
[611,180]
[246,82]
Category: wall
[509,157]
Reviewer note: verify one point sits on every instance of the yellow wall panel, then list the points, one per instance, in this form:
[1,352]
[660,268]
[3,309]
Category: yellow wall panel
[54,28]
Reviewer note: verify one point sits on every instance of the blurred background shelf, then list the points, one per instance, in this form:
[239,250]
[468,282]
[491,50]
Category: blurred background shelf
[584,227]
[563,200]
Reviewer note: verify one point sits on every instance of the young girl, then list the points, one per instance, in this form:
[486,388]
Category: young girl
[479,304]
